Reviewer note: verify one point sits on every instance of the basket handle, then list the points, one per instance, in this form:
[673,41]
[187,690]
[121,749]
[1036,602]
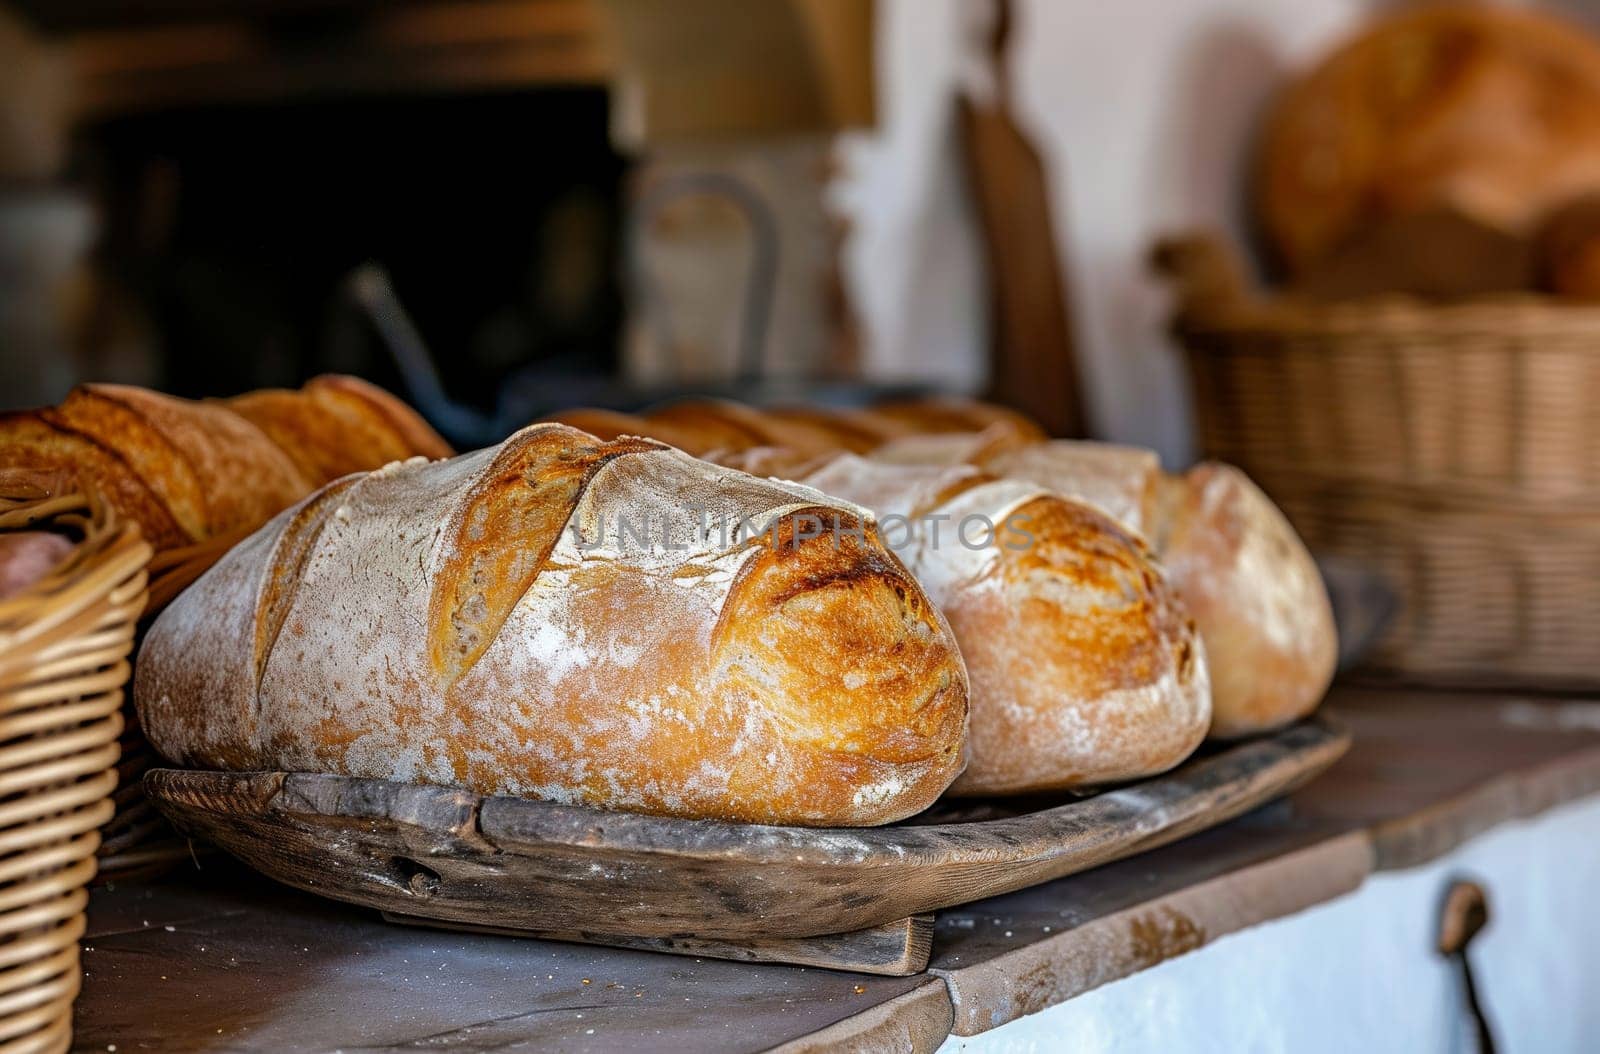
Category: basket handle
[1204,270]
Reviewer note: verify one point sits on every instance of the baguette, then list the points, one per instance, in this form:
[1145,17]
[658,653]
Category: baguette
[1085,668]
[483,623]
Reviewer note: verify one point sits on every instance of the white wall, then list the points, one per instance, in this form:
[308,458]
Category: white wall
[1143,109]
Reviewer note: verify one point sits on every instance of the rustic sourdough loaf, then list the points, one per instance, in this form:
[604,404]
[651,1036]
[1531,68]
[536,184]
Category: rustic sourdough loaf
[1239,566]
[1085,668]
[488,622]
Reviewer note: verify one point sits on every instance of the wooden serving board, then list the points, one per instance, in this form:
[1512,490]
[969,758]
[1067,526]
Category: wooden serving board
[844,897]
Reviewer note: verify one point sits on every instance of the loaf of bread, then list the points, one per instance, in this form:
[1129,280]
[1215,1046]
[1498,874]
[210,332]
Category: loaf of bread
[498,622]
[188,471]
[613,424]
[1241,570]
[337,425]
[185,471]
[1085,668]
[1256,594]
[1492,110]
[950,414]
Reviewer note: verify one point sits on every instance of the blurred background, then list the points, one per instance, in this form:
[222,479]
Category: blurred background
[564,192]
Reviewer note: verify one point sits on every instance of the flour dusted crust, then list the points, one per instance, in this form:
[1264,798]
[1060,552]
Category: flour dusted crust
[1234,561]
[481,623]
[1247,578]
[1085,668]
[952,448]
[1257,595]
[1122,481]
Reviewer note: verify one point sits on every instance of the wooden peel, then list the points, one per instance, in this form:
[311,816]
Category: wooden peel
[1464,915]
[1032,358]
[849,898]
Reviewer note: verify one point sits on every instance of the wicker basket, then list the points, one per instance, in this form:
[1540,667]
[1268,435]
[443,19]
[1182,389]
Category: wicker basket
[1454,446]
[64,645]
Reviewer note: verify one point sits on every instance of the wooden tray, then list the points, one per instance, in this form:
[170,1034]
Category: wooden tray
[850,898]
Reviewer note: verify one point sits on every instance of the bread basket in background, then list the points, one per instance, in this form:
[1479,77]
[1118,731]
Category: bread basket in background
[1453,447]
[64,647]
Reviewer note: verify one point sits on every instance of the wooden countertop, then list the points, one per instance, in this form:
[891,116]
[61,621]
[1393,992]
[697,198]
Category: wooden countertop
[221,959]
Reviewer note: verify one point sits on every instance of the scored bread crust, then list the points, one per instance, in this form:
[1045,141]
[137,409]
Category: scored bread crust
[336,425]
[478,622]
[1085,667]
[211,470]
[1238,565]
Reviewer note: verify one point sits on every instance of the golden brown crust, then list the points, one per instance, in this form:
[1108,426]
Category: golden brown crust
[1091,669]
[1084,667]
[504,530]
[50,455]
[710,424]
[415,437]
[843,429]
[337,425]
[1486,109]
[614,424]
[949,414]
[760,678]
[1257,596]
[215,471]
[885,696]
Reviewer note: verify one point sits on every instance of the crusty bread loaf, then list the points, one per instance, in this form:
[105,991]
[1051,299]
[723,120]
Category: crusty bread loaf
[847,429]
[1256,593]
[950,414]
[952,448]
[496,622]
[190,472]
[1249,581]
[1085,669]
[717,423]
[1492,110]
[336,425]
[613,424]
[186,470]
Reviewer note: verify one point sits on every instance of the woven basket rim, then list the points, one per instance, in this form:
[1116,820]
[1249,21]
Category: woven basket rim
[1214,297]
[1526,317]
